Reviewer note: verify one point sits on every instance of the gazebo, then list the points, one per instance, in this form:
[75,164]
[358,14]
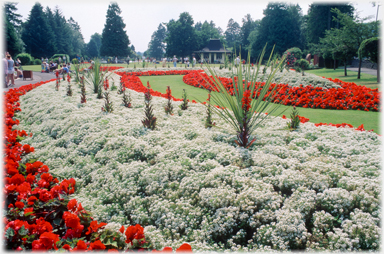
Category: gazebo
[214,52]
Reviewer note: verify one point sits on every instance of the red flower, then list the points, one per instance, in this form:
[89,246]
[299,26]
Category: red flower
[93,227]
[28,149]
[19,205]
[185,247]
[106,84]
[81,245]
[47,241]
[72,204]
[71,220]
[98,245]
[246,101]
[134,232]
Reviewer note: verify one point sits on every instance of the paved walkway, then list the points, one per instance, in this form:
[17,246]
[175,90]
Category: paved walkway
[363,70]
[37,77]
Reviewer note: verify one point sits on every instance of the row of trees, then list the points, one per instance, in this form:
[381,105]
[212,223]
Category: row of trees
[283,25]
[47,32]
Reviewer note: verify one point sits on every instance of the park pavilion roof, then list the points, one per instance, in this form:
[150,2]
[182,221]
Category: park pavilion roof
[213,46]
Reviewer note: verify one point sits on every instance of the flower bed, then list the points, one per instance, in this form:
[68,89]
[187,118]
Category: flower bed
[316,189]
[38,212]
[349,96]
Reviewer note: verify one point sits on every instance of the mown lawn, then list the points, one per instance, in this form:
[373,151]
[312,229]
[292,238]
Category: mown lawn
[371,120]
[365,79]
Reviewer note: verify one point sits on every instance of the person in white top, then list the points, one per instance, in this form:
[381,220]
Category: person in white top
[5,64]
[10,70]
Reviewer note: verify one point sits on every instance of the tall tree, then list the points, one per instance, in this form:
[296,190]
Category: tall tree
[37,34]
[320,18]
[77,39]
[207,31]
[281,31]
[181,38]
[156,47]
[62,33]
[93,47]
[343,43]
[232,34]
[248,26]
[114,40]
[12,28]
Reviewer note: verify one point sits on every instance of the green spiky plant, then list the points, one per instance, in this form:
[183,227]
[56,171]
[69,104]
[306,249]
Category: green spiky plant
[208,120]
[96,77]
[149,120]
[246,110]
[169,107]
[77,72]
[295,120]
[121,87]
[184,105]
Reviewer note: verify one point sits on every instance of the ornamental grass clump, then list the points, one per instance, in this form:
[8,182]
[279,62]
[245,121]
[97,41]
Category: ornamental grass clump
[169,107]
[96,78]
[251,103]
[184,105]
[149,119]
[295,120]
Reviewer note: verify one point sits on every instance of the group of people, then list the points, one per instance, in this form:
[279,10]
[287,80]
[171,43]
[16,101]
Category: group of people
[48,67]
[186,61]
[11,72]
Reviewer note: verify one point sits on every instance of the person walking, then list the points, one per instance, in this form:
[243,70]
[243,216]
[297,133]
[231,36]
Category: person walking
[10,71]
[193,62]
[5,64]
[174,61]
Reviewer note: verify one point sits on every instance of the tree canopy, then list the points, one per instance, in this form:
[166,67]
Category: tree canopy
[156,47]
[114,40]
[37,34]
[181,38]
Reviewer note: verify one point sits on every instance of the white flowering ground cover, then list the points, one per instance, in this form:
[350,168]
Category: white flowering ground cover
[317,188]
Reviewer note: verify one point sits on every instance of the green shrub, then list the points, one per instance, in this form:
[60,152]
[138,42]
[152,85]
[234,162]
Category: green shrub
[25,58]
[292,55]
[75,61]
[37,62]
[302,64]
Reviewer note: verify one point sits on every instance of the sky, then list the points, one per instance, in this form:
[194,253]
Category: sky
[142,17]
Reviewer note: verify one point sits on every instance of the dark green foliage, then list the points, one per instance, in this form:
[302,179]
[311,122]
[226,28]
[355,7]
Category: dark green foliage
[320,18]
[156,46]
[25,58]
[232,34]
[114,40]
[247,27]
[284,32]
[37,62]
[205,32]
[303,65]
[181,38]
[13,45]
[37,34]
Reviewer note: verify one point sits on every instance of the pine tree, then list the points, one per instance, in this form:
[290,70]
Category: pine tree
[37,34]
[12,24]
[114,40]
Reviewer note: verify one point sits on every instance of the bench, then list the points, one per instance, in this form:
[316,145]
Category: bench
[27,74]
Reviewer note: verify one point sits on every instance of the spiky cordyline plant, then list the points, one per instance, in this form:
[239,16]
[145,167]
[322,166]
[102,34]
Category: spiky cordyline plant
[168,107]
[77,72]
[149,120]
[184,105]
[96,77]
[295,120]
[245,110]
[208,120]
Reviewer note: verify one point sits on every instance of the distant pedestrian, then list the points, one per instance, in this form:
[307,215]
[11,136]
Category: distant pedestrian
[193,62]
[115,59]
[59,59]
[237,61]
[174,61]
[5,64]
[64,59]
[10,70]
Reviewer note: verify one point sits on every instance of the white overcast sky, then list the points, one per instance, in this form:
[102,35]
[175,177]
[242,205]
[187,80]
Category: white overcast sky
[143,17]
